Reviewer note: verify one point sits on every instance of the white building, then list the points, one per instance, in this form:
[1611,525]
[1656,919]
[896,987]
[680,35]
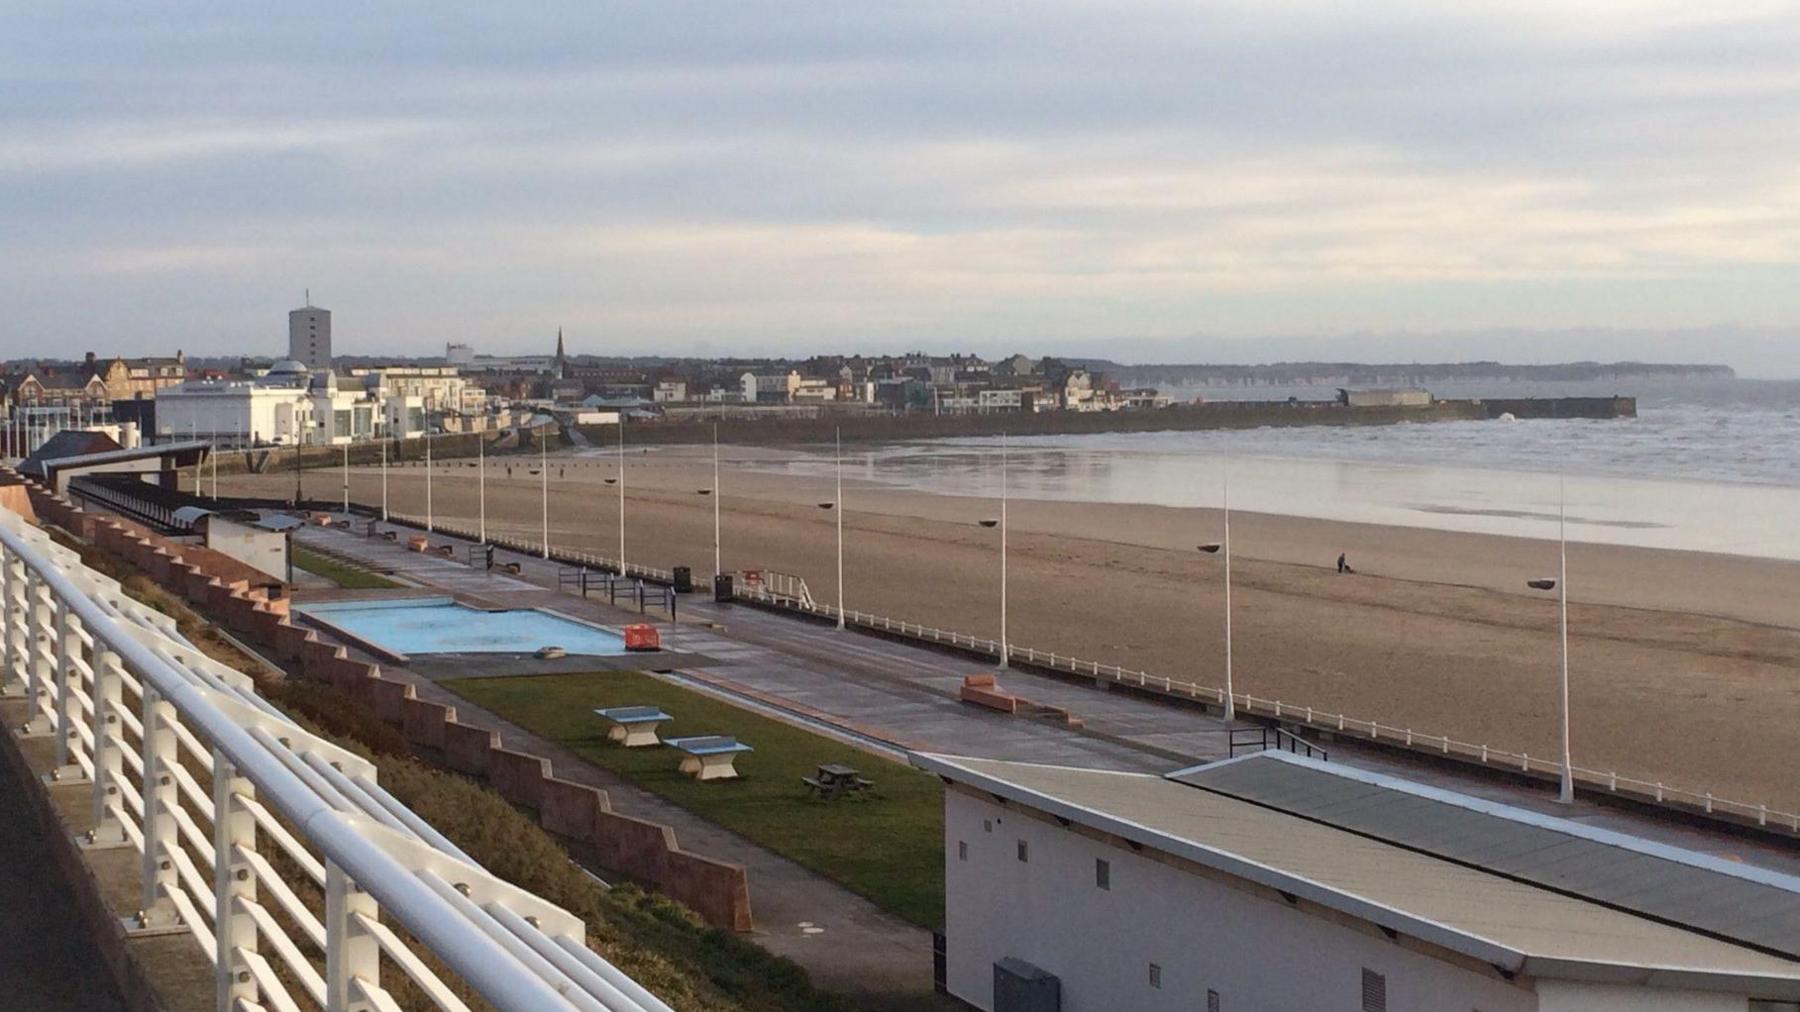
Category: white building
[286,405]
[438,388]
[670,392]
[309,337]
[1271,883]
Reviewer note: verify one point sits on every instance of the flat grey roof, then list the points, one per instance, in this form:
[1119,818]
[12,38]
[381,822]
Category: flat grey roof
[136,453]
[1516,926]
[1754,906]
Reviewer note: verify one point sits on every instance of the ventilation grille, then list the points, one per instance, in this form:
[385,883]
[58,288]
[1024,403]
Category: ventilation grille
[1374,991]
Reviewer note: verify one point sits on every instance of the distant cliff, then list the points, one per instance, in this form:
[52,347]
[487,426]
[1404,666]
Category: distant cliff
[1415,374]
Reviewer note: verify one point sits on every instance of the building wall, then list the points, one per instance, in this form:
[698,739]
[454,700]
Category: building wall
[309,337]
[1260,954]
[265,551]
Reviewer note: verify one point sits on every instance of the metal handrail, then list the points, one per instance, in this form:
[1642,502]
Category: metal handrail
[260,760]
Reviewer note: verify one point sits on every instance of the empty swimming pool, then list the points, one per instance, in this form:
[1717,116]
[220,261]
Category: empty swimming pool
[438,625]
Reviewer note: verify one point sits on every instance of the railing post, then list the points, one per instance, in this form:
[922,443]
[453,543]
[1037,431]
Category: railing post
[38,661]
[234,930]
[350,952]
[109,764]
[160,799]
[12,624]
[68,707]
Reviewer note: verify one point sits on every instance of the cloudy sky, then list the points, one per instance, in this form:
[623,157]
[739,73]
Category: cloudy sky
[1145,181]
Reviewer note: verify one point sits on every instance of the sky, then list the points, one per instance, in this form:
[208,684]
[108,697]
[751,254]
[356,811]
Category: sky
[1529,181]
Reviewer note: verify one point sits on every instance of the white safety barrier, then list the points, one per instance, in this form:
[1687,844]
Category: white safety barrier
[209,782]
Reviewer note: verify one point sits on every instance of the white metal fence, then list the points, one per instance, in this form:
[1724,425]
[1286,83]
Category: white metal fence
[293,870]
[1319,720]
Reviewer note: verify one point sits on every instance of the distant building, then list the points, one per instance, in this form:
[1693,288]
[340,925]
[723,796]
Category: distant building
[138,378]
[769,388]
[1272,882]
[670,391]
[459,354]
[287,405]
[309,337]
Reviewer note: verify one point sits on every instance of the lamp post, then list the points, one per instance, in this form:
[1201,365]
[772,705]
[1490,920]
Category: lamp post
[621,491]
[428,527]
[1217,547]
[1560,584]
[714,493]
[481,487]
[346,481]
[838,505]
[1005,651]
[384,506]
[619,481]
[717,553]
[544,473]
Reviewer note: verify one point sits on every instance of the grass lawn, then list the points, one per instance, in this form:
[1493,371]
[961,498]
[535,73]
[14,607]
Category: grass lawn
[344,575]
[889,848]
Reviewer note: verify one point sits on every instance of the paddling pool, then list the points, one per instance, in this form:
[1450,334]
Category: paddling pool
[439,625]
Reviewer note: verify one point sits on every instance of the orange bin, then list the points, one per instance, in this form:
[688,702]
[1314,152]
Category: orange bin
[642,637]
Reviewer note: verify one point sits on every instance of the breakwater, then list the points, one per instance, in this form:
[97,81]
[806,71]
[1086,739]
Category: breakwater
[885,428]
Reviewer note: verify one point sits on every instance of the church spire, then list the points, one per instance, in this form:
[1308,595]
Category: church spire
[562,359]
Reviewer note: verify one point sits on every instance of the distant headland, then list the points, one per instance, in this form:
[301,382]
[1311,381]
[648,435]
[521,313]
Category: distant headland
[1408,374]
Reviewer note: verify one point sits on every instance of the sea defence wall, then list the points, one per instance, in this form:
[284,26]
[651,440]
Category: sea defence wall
[644,851]
[886,428]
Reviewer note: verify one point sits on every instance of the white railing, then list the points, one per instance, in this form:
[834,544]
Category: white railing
[1608,781]
[293,870]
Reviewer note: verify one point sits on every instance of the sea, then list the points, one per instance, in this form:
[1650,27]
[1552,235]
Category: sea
[1708,465]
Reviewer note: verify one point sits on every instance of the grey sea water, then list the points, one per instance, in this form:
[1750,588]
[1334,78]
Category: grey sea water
[1708,465]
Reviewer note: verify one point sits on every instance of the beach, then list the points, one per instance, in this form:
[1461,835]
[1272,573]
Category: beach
[1682,663]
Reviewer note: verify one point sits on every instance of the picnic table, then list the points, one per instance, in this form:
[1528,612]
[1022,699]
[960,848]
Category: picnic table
[835,780]
[633,726]
[709,756]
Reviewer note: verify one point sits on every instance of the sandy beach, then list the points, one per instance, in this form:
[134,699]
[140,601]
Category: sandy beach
[1683,664]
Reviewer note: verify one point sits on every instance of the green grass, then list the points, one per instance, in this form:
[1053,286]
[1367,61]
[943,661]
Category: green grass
[888,848]
[344,575]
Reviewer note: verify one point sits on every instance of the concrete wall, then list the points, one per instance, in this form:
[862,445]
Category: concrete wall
[1257,952]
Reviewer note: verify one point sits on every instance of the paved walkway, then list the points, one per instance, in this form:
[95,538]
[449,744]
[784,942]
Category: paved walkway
[48,961]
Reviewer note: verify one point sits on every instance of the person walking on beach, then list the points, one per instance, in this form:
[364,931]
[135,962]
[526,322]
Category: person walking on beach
[1343,564]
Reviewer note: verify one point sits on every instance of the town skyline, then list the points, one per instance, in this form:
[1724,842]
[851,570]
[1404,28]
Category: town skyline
[1096,181]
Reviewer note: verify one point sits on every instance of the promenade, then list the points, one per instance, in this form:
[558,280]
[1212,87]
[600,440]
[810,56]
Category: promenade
[904,696]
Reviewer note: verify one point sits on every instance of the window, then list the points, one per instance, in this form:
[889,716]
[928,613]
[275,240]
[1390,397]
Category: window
[1374,991]
[1024,855]
[1156,976]
[962,850]
[987,825]
[1102,873]
[1212,1001]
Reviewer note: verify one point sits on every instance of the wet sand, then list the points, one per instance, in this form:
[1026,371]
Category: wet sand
[1685,666]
